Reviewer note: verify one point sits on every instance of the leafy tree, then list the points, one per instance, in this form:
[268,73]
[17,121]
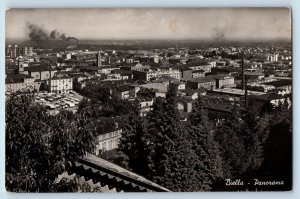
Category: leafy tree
[241,140]
[254,133]
[40,146]
[95,91]
[116,156]
[277,149]
[172,161]
[134,145]
[228,135]
[209,163]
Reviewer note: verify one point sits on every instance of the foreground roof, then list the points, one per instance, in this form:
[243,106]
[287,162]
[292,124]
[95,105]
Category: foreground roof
[100,170]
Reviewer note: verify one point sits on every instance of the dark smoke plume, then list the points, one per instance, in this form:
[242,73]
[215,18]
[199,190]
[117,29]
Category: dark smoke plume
[37,33]
[54,34]
[63,36]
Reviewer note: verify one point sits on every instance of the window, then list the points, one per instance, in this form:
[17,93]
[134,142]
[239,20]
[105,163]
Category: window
[104,146]
[110,145]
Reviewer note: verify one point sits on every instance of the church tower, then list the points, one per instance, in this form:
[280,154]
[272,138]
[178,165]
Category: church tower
[99,59]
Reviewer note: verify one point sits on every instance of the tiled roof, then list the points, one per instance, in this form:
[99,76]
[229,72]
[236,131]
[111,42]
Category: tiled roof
[202,79]
[16,78]
[198,71]
[98,170]
[38,68]
[284,82]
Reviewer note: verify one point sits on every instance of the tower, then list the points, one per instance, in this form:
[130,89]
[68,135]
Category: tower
[20,65]
[99,59]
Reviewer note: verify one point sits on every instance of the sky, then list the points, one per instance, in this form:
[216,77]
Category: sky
[168,23]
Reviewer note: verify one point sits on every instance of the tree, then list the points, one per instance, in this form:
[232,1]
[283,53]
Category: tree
[277,148]
[209,163]
[172,161]
[228,136]
[40,146]
[134,145]
[241,140]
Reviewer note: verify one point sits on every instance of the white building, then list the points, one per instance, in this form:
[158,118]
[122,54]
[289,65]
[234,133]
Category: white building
[108,141]
[154,73]
[60,85]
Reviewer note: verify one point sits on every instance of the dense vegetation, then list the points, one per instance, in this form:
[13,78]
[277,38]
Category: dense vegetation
[192,155]
[39,146]
[197,155]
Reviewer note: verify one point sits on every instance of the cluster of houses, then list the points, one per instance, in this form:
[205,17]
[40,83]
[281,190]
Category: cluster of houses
[144,75]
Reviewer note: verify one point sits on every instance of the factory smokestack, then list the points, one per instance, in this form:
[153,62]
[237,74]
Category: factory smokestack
[243,72]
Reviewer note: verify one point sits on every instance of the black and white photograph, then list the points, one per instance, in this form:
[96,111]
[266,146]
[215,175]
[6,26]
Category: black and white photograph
[148,99]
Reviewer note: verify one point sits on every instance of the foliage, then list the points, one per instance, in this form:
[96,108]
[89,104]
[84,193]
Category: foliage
[112,109]
[277,148]
[40,146]
[241,141]
[133,144]
[201,136]
[171,160]
[95,91]
[116,156]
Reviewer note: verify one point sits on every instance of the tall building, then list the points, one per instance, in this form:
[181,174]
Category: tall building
[15,51]
[273,58]
[8,50]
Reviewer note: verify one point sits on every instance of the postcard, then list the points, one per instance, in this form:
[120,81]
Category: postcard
[148,100]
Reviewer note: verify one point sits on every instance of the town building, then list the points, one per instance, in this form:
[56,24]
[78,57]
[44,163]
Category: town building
[147,75]
[123,92]
[198,73]
[160,89]
[16,51]
[186,73]
[203,82]
[60,85]
[21,82]
[232,92]
[106,69]
[40,72]
[145,106]
[205,66]
[224,81]
[284,84]
[185,105]
[108,140]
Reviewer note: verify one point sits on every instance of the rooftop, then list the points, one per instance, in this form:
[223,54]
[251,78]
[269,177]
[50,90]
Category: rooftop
[100,170]
[284,82]
[161,87]
[236,91]
[38,68]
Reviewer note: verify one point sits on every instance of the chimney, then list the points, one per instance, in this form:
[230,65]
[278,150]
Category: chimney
[243,72]
[246,93]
